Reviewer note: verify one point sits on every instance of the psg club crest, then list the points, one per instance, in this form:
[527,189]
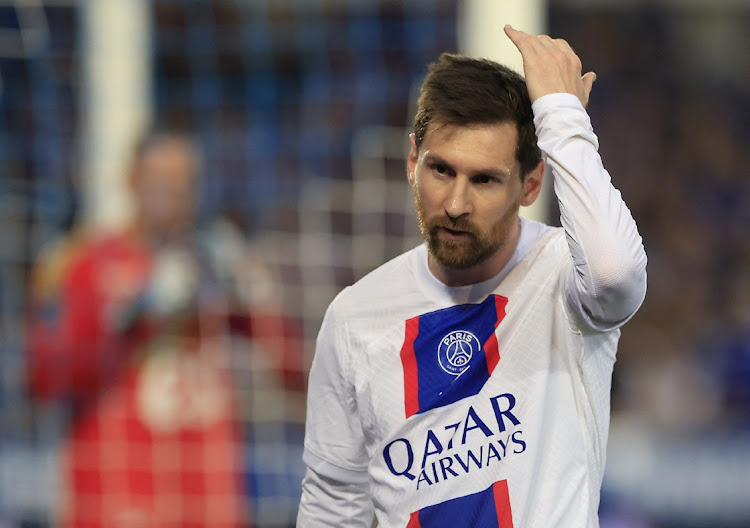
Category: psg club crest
[456,350]
[467,353]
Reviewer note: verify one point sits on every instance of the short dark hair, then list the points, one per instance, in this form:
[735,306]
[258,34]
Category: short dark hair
[462,91]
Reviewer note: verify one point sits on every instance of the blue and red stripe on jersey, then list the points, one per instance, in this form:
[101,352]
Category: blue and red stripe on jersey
[489,508]
[438,371]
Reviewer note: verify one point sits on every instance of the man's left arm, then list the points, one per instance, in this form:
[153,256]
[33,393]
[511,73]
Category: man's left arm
[608,281]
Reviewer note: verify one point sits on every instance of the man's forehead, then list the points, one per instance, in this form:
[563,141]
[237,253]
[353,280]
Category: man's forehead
[488,146]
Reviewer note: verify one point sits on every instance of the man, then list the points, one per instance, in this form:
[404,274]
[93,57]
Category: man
[466,382]
[133,328]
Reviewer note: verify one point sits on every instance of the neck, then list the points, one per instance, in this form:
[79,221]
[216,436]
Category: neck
[484,270]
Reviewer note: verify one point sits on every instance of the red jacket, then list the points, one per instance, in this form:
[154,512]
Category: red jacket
[154,438]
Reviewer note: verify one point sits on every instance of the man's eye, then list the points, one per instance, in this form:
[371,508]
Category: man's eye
[441,169]
[485,178]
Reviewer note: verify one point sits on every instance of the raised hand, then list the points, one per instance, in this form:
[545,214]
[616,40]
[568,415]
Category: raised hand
[551,66]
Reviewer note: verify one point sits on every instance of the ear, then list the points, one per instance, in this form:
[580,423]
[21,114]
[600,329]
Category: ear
[532,185]
[411,160]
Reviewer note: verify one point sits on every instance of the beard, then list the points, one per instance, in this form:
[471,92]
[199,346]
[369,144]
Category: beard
[473,248]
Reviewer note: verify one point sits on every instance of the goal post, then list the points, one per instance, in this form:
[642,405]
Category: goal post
[480,34]
[116,102]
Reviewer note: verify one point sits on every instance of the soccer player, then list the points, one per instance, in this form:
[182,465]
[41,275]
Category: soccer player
[135,329]
[466,382]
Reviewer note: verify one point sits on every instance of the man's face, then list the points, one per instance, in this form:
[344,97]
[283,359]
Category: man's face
[468,189]
[164,187]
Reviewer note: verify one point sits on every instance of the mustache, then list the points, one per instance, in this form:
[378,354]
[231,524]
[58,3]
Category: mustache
[455,224]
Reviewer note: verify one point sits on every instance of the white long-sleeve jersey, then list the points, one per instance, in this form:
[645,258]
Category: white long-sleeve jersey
[485,405]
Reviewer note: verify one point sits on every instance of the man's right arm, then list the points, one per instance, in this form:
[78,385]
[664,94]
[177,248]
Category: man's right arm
[335,490]
[329,502]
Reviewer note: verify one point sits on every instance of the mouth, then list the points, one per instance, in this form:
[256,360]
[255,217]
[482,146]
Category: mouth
[454,233]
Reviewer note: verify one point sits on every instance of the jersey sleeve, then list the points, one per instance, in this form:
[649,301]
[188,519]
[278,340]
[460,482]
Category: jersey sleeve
[607,281]
[329,502]
[72,352]
[334,441]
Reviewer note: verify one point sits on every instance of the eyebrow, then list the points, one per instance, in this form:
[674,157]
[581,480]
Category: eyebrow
[435,159]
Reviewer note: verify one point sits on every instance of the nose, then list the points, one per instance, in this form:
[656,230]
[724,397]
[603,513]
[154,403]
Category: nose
[458,202]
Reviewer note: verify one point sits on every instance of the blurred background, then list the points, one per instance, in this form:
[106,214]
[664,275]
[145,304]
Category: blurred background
[155,362]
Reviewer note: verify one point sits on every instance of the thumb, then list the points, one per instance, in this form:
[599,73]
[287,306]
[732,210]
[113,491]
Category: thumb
[588,83]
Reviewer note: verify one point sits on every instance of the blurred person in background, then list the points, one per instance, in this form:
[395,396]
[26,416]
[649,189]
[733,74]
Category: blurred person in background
[136,329]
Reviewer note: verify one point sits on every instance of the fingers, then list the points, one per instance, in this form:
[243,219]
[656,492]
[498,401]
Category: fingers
[588,80]
[513,34]
[519,38]
[551,66]
[526,43]
[588,83]
[563,45]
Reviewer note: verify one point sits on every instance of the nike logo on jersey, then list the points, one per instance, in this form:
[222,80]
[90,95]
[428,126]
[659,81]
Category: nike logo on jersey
[450,354]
